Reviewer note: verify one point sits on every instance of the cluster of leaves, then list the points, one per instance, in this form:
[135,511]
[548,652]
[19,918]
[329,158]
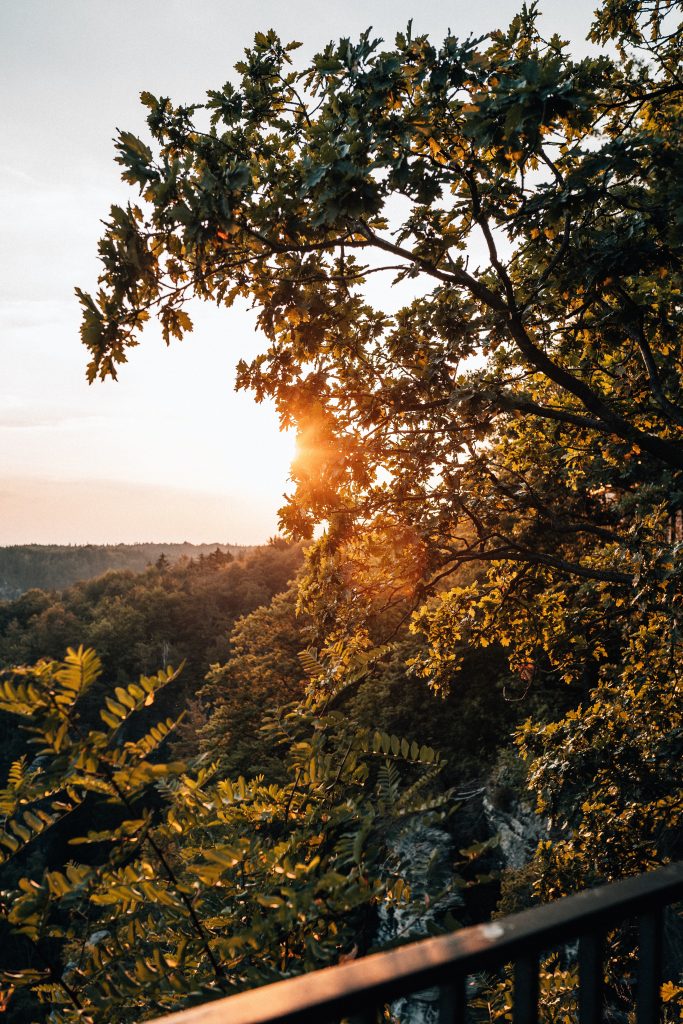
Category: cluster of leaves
[263,671]
[609,777]
[468,722]
[557,994]
[197,885]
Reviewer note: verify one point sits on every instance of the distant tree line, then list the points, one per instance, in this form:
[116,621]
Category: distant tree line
[55,566]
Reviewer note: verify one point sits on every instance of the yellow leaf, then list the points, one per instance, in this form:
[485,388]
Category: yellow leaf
[669,991]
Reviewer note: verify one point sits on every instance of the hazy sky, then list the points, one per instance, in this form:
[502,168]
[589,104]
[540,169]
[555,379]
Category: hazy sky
[170,452]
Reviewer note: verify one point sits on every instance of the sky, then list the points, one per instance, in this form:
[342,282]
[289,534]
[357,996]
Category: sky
[170,452]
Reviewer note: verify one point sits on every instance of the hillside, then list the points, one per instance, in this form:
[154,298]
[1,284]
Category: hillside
[167,614]
[55,566]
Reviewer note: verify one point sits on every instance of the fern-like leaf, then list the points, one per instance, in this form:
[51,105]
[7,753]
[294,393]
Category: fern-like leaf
[310,663]
[79,670]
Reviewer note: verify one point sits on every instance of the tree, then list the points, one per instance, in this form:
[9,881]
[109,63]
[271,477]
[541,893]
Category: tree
[262,673]
[522,410]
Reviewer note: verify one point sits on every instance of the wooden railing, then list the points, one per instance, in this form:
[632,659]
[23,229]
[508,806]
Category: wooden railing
[358,989]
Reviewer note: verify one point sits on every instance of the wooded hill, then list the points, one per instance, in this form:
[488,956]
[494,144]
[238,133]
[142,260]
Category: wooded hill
[167,614]
[54,566]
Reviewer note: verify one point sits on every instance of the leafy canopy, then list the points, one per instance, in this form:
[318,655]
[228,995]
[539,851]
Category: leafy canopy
[534,203]
[521,406]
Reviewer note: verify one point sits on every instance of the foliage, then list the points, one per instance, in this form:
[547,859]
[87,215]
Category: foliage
[166,612]
[610,778]
[557,994]
[198,885]
[263,672]
[522,409]
[499,453]
[513,141]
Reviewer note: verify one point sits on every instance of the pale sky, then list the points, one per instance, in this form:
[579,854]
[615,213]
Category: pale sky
[171,452]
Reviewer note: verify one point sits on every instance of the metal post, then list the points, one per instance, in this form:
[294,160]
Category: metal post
[367,1016]
[453,1002]
[525,1008]
[590,978]
[650,927]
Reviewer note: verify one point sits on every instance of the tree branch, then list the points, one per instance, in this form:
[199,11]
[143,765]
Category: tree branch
[637,334]
[511,552]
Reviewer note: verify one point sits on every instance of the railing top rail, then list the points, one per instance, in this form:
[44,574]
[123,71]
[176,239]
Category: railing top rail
[333,991]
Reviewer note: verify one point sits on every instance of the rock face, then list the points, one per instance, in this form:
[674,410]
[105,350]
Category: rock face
[423,855]
[422,1008]
[518,829]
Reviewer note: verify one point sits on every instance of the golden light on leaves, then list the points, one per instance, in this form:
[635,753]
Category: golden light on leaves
[317,454]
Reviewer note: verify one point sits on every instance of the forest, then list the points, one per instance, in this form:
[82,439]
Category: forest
[55,566]
[452,688]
